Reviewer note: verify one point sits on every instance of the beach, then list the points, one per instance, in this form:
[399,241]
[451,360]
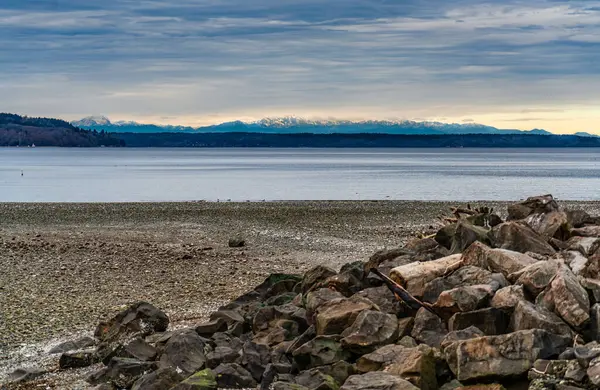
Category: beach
[67,265]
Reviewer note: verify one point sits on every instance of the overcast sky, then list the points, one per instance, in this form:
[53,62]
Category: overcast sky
[510,64]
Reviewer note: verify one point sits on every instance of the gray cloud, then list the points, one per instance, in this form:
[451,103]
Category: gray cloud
[206,57]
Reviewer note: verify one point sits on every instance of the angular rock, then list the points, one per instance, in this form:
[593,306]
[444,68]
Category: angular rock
[315,379]
[584,245]
[380,358]
[533,205]
[335,316]
[507,298]
[184,351]
[464,276]
[585,354]
[452,385]
[384,255]
[416,365]
[74,345]
[272,372]
[528,316]
[507,261]
[316,277]
[229,316]
[317,298]
[466,234]
[320,351]
[140,319]
[207,329]
[370,330]
[521,238]
[202,380]
[471,332]
[233,376]
[236,242]
[407,342]
[78,359]
[285,385]
[415,276]
[405,326]
[386,268]
[138,349]
[568,298]
[554,224]
[377,380]
[593,372]
[255,358]
[578,263]
[587,231]
[222,355]
[507,355]
[121,372]
[578,218]
[490,321]
[536,277]
[163,378]
[463,299]
[428,328]
[349,280]
[383,298]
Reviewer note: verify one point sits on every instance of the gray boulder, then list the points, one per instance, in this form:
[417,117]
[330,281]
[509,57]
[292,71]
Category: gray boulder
[528,316]
[163,378]
[428,328]
[140,319]
[335,316]
[519,237]
[233,376]
[184,351]
[507,298]
[490,321]
[320,351]
[377,380]
[370,330]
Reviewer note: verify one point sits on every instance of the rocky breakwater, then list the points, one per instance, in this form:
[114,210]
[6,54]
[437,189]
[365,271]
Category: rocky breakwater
[490,303]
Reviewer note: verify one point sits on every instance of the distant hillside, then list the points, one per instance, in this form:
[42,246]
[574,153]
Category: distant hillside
[293,125]
[16,130]
[224,140]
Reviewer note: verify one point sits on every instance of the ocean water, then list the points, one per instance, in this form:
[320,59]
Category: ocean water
[155,174]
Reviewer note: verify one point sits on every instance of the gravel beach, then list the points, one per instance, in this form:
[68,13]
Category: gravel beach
[65,266]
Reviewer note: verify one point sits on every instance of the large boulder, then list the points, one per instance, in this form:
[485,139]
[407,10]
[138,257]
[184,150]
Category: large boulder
[578,263]
[320,351]
[380,358]
[519,237]
[584,245]
[316,277]
[506,355]
[502,261]
[462,299]
[377,380]
[185,351]
[536,277]
[386,255]
[508,297]
[233,376]
[416,365]
[255,358]
[429,328]
[383,298]
[466,234]
[587,231]
[78,359]
[462,277]
[554,224]
[140,319]
[528,316]
[316,299]
[532,205]
[471,332]
[415,276]
[567,298]
[370,330]
[121,372]
[335,316]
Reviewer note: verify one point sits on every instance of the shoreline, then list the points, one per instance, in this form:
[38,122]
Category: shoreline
[67,265]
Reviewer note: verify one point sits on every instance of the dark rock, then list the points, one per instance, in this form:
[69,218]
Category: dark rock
[255,357]
[578,218]
[317,380]
[536,277]
[429,328]
[275,324]
[163,378]
[578,263]
[452,385]
[78,359]
[284,385]
[140,319]
[528,316]
[380,358]
[316,278]
[316,299]
[574,372]
[507,355]
[463,299]
[587,231]
[207,329]
[519,238]
[184,351]
[464,276]
[568,298]
[202,380]
[139,349]
[405,326]
[384,255]
[320,351]
[507,298]
[274,284]
[465,334]
[221,339]
[222,355]
[407,342]
[420,245]
[416,365]
[585,354]
[21,375]
[383,298]
[466,234]
[272,372]
[122,372]
[233,376]
[584,245]
[345,282]
[236,242]
[229,316]
[335,316]
[282,299]
[593,372]
[445,235]
[490,321]
[554,224]
[370,330]
[533,205]
[74,345]
[377,380]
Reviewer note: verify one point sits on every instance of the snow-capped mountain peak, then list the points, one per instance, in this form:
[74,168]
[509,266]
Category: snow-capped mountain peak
[90,121]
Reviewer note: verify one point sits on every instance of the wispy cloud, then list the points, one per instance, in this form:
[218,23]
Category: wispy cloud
[207,58]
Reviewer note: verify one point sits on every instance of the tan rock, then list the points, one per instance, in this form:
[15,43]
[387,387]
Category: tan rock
[415,276]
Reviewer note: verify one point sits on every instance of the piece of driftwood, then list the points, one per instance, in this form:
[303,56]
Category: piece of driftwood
[401,294]
[414,276]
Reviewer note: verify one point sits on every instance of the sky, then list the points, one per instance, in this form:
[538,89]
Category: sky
[510,64]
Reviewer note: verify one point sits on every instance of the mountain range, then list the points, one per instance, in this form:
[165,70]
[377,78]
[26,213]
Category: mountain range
[295,125]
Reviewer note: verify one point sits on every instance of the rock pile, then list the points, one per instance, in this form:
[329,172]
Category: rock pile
[514,300]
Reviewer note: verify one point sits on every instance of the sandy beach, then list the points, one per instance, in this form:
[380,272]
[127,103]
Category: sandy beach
[65,266]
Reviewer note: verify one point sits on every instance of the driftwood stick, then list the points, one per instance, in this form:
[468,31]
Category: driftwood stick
[402,295]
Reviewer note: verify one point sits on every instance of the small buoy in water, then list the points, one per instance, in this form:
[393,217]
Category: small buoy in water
[21,172]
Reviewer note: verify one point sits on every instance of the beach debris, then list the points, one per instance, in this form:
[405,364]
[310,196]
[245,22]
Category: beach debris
[480,302]
[236,242]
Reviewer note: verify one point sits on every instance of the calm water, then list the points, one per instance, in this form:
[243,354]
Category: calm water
[107,175]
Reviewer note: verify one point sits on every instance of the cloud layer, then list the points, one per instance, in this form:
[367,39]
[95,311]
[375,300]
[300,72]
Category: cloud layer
[507,63]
